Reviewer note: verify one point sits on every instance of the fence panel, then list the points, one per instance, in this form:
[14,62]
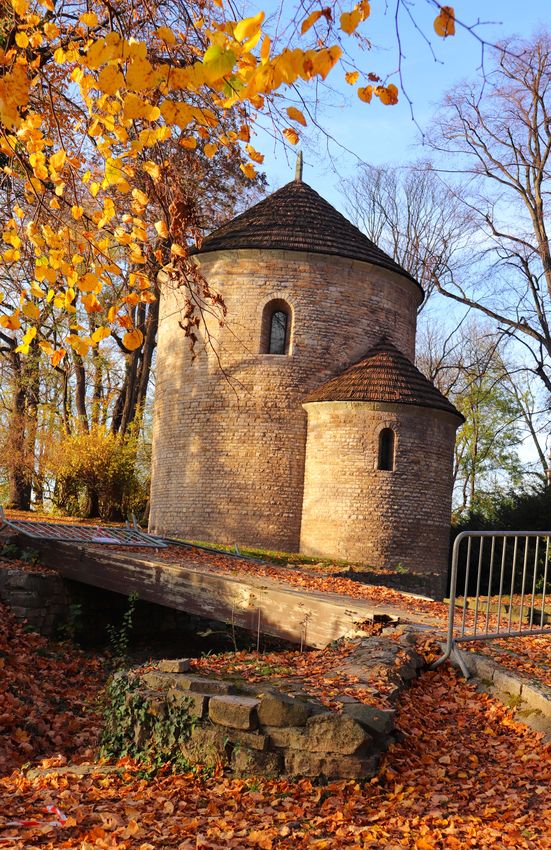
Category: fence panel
[504,579]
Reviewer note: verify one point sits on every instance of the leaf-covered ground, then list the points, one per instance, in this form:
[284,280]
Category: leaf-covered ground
[321,674]
[47,697]
[464,775]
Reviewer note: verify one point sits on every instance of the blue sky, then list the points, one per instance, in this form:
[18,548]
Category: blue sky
[379,134]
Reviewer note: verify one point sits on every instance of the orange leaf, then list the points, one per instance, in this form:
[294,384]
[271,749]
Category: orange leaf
[291,135]
[132,339]
[444,24]
[366,94]
[296,115]
[310,21]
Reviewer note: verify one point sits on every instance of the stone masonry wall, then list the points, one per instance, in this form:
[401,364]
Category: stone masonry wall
[354,511]
[262,730]
[229,430]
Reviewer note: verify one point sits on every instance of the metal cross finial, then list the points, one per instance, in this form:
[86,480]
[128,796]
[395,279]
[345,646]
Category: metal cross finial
[298,169]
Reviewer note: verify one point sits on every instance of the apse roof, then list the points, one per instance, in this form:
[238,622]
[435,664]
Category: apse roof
[384,374]
[296,218]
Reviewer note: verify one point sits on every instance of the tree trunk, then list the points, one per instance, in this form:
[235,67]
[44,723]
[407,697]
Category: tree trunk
[19,495]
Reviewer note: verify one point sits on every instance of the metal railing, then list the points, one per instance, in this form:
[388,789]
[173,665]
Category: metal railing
[504,578]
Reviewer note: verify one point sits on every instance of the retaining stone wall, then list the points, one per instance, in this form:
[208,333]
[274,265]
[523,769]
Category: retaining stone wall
[40,598]
[258,730]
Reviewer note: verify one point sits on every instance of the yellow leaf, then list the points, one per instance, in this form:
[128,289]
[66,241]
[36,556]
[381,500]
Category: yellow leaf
[254,154]
[110,79]
[51,30]
[162,229]
[178,250]
[217,63]
[188,142]
[140,196]
[28,337]
[351,77]
[20,7]
[91,303]
[424,843]
[248,27]
[166,35]
[90,19]
[88,282]
[444,24]
[77,212]
[31,311]
[310,21]
[265,49]
[350,21]
[22,39]
[57,160]
[248,170]
[296,115]
[100,334]
[209,150]
[132,339]
[366,94]
[152,169]
[78,344]
[291,135]
[46,347]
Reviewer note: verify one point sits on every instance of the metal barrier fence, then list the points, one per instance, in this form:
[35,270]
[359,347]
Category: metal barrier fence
[504,578]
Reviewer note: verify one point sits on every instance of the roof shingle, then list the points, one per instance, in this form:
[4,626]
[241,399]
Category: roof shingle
[296,218]
[384,375]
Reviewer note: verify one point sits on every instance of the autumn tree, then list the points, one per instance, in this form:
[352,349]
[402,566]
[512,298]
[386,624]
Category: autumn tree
[496,136]
[99,106]
[469,367]
[414,217]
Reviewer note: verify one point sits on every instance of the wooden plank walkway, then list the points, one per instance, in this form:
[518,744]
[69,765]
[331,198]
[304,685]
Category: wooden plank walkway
[263,605]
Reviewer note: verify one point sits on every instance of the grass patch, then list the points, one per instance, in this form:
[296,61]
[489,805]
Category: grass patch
[274,557]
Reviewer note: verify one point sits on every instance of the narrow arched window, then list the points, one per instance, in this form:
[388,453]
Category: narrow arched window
[278,332]
[386,450]
[276,328]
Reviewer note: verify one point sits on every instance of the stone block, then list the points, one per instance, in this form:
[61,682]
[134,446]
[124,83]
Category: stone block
[204,686]
[333,733]
[537,698]
[184,682]
[506,682]
[329,765]
[197,704]
[379,721]
[282,710]
[245,762]
[158,680]
[174,665]
[285,737]
[241,738]
[206,745]
[237,712]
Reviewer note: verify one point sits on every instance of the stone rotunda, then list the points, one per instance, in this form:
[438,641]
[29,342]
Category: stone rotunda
[302,423]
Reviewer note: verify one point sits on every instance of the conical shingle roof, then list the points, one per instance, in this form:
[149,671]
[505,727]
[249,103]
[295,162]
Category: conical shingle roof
[296,218]
[384,375]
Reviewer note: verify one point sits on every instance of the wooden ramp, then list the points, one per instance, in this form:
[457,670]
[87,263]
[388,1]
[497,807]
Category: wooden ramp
[261,605]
